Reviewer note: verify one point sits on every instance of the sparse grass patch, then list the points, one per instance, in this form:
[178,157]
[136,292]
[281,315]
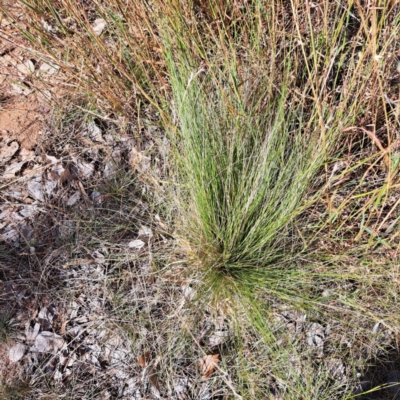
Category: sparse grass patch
[18,391]
[7,325]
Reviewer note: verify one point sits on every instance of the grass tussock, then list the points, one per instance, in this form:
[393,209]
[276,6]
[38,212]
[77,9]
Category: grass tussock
[283,169]
[250,146]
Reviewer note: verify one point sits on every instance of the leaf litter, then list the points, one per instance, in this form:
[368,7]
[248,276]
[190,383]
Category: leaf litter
[208,364]
[64,341]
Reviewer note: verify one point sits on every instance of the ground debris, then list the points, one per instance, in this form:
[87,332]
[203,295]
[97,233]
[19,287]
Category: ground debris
[47,342]
[17,352]
[7,150]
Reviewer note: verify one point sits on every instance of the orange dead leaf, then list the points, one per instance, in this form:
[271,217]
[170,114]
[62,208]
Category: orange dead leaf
[154,379]
[144,359]
[63,327]
[208,364]
[152,372]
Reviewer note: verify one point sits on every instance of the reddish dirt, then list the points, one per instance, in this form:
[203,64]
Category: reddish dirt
[20,116]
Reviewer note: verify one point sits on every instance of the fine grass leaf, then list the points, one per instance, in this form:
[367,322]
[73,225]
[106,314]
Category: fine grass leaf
[207,364]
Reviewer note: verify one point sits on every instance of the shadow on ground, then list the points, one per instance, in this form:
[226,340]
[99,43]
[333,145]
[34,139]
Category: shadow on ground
[382,379]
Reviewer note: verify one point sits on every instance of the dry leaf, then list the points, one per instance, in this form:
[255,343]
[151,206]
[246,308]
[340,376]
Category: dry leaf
[145,231]
[13,169]
[85,170]
[47,342]
[63,327]
[136,244]
[7,151]
[8,60]
[154,379]
[109,170]
[218,337]
[316,336]
[26,68]
[182,388]
[28,212]
[49,186]
[19,89]
[31,333]
[73,199]
[4,22]
[46,316]
[139,161]
[144,359]
[95,132]
[48,27]
[207,364]
[17,352]
[26,155]
[98,25]
[35,189]
[58,376]
[48,69]
[9,235]
[98,257]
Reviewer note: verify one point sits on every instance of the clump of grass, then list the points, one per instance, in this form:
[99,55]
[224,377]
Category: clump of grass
[246,169]
[249,148]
